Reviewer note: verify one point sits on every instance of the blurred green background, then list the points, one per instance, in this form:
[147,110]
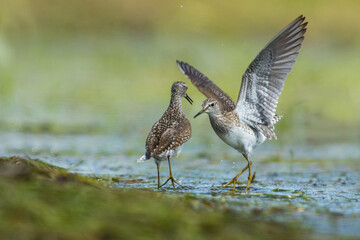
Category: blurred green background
[107,66]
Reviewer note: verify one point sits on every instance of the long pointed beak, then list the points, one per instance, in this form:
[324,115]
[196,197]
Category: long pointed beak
[201,112]
[189,99]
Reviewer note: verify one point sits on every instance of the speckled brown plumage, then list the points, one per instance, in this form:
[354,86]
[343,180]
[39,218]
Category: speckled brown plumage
[169,133]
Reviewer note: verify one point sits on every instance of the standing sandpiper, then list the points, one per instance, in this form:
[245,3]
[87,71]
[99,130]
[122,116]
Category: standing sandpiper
[250,121]
[169,133]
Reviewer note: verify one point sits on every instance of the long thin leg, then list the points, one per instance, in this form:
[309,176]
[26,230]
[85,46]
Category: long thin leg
[172,180]
[249,177]
[171,176]
[158,172]
[234,180]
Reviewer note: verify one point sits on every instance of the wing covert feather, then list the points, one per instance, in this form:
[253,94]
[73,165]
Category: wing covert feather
[206,86]
[263,80]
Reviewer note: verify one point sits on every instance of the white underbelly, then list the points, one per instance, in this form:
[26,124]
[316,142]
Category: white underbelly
[172,153]
[243,140]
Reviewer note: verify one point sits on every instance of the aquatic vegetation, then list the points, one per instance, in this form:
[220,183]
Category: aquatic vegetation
[41,201]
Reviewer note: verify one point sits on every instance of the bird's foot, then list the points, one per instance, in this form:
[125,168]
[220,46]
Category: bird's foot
[232,181]
[173,181]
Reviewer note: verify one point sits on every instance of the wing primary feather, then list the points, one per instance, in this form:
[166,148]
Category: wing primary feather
[264,79]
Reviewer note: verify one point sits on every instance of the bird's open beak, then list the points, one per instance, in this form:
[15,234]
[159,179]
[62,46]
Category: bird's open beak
[189,99]
[202,111]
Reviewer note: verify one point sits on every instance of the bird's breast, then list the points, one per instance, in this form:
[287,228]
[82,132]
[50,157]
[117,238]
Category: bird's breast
[235,134]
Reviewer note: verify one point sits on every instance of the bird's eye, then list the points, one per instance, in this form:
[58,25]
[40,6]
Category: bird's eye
[212,104]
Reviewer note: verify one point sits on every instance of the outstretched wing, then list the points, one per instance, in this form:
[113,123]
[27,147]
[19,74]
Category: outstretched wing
[264,79]
[206,86]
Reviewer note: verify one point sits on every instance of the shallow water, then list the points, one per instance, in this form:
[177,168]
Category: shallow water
[318,186]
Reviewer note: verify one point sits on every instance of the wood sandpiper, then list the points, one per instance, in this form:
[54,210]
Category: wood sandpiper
[250,121]
[169,133]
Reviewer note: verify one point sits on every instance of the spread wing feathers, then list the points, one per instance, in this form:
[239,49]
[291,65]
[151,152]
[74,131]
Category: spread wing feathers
[264,79]
[206,86]
[163,138]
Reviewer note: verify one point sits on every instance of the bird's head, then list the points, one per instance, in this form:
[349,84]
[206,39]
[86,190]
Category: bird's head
[179,88]
[209,106]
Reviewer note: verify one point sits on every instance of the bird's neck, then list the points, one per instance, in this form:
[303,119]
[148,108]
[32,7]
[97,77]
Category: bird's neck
[218,123]
[175,103]
[215,114]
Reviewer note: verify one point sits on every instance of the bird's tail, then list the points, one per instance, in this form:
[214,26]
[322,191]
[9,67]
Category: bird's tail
[143,158]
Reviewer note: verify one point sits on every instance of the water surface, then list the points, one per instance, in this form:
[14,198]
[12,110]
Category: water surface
[318,186]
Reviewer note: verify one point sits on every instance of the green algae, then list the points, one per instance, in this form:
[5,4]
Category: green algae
[41,201]
[280,190]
